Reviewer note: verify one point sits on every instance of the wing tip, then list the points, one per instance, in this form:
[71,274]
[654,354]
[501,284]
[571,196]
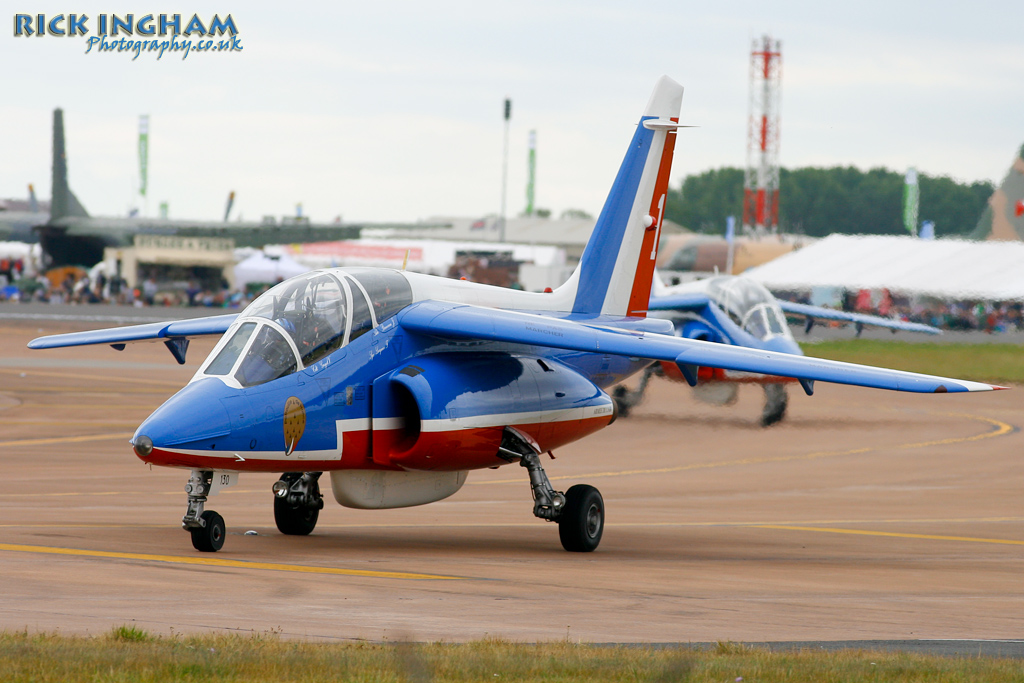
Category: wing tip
[981,386]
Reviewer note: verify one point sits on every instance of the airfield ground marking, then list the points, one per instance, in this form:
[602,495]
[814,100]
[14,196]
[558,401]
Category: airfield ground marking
[474,525]
[107,405]
[69,494]
[891,534]
[104,378]
[79,391]
[66,439]
[999,429]
[43,422]
[220,562]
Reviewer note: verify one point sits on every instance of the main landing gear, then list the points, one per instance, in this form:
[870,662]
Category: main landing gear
[297,502]
[206,526]
[775,397]
[579,511]
[775,401]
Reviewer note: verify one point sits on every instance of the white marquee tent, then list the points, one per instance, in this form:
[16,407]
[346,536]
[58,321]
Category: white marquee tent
[947,269]
[260,267]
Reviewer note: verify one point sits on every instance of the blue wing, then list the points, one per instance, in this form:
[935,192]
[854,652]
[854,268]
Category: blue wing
[818,313]
[457,321]
[175,334]
[182,329]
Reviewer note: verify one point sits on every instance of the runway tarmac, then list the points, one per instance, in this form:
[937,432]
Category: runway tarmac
[866,516]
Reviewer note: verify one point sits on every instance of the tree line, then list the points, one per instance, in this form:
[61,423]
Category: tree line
[821,201]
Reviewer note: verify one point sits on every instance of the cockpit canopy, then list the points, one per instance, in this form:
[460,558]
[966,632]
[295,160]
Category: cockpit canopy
[303,319]
[749,305]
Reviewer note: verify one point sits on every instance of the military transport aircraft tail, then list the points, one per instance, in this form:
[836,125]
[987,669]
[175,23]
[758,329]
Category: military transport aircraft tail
[1003,218]
[614,275]
[63,201]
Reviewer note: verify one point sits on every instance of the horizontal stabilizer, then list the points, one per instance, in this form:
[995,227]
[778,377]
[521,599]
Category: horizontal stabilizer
[457,321]
[130,334]
[691,301]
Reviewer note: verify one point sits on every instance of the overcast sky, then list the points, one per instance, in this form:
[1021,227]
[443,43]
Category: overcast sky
[393,111]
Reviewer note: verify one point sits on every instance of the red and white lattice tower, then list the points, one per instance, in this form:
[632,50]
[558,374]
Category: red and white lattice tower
[761,181]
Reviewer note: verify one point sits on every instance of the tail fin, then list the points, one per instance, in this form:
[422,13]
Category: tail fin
[614,276]
[63,201]
[1003,218]
[33,203]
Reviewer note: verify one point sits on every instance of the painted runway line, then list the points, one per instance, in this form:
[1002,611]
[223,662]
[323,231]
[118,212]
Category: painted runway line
[221,562]
[102,378]
[998,429]
[819,525]
[65,439]
[890,534]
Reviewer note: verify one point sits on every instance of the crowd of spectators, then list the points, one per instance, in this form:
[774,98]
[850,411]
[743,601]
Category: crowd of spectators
[75,286]
[969,315]
[984,316]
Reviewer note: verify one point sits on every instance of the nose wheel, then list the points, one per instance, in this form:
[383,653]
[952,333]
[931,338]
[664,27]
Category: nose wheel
[206,526]
[210,537]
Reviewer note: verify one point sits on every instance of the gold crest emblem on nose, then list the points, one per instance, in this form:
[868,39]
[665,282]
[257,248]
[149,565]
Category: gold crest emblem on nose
[294,423]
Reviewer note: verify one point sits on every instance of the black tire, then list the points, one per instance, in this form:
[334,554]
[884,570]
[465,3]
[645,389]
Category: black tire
[294,520]
[775,402]
[581,523]
[210,538]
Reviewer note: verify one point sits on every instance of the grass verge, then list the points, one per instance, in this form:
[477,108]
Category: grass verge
[998,363]
[143,657]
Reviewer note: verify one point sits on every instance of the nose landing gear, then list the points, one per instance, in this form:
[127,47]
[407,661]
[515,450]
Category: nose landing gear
[206,526]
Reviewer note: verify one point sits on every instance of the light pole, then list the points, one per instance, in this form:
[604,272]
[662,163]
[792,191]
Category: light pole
[504,172]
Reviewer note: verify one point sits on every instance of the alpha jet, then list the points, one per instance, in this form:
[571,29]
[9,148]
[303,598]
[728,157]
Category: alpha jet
[732,309]
[399,384]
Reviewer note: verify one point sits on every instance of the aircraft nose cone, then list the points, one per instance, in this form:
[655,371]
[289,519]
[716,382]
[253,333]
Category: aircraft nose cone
[143,446]
[192,418]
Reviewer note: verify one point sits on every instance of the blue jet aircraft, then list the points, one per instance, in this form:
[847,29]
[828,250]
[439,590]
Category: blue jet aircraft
[398,384]
[732,309]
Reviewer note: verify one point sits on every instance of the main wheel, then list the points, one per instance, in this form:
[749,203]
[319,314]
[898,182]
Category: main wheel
[210,538]
[582,520]
[775,400]
[294,520]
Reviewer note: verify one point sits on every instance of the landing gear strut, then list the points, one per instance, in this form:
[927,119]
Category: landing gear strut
[297,502]
[626,400]
[579,511]
[206,526]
